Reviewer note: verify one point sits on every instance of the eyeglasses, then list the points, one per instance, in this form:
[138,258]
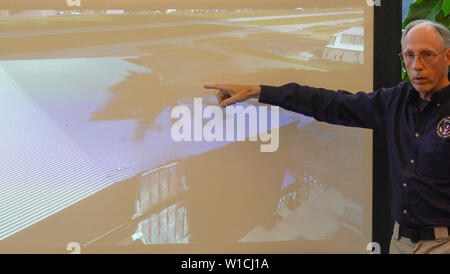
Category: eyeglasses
[426,57]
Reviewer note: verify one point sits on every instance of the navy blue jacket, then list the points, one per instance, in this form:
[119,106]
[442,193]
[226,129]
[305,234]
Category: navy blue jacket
[418,141]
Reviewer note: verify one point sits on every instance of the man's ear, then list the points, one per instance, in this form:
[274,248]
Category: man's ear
[448,64]
[448,57]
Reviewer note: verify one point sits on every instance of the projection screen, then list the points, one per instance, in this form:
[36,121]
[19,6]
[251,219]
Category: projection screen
[88,155]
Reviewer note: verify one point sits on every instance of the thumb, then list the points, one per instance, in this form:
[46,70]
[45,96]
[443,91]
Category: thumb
[229,101]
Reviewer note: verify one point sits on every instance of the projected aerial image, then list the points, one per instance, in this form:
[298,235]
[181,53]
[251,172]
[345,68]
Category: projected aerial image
[86,95]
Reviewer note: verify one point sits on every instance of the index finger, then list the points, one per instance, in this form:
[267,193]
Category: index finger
[216,86]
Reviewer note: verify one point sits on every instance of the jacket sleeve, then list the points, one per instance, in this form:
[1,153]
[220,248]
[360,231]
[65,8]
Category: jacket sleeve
[366,110]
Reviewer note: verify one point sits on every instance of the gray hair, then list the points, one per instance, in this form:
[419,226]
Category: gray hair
[443,32]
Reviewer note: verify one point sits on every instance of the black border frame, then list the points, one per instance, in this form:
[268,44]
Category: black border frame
[386,73]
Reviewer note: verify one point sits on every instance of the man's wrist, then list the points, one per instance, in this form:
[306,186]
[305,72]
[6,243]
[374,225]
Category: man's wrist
[255,91]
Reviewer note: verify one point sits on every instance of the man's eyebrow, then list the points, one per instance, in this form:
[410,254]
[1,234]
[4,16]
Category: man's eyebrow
[421,51]
[427,51]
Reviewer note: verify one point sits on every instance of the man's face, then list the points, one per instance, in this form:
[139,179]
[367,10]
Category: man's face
[431,75]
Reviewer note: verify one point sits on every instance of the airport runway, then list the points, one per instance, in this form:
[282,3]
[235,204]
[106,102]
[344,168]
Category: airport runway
[170,24]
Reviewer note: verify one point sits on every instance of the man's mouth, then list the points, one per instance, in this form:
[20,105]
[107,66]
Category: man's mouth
[420,80]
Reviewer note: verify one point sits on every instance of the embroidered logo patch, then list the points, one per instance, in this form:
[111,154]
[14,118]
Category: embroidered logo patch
[443,128]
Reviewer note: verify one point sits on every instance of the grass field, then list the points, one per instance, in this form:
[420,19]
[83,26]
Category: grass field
[324,32]
[275,57]
[27,44]
[81,21]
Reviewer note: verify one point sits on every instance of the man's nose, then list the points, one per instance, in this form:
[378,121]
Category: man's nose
[417,63]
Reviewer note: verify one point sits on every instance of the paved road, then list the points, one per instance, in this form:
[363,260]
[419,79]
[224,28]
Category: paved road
[291,16]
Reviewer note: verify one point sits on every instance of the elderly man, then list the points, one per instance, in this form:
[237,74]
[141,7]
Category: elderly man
[415,117]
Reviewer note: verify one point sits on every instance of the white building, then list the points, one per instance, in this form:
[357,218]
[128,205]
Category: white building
[115,12]
[346,46]
[38,13]
[4,13]
[169,11]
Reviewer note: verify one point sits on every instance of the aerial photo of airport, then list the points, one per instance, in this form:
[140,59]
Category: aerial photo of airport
[87,156]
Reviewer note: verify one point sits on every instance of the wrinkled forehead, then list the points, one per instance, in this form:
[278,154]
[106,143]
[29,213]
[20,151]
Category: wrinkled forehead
[423,37]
